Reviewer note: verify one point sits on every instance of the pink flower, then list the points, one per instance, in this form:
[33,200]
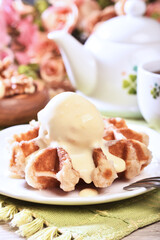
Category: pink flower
[28,31]
[97,17]
[6,52]
[11,17]
[22,8]
[4,37]
[22,57]
[28,38]
[52,69]
[41,46]
[86,8]
[61,15]
[153,10]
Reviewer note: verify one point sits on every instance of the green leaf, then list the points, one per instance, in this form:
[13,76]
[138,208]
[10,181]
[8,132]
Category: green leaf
[155,15]
[125,83]
[33,66]
[29,70]
[22,69]
[132,77]
[41,5]
[32,74]
[154,96]
[132,91]
[104,3]
[38,22]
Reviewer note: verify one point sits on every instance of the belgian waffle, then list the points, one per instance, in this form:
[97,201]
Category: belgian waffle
[22,146]
[49,167]
[116,128]
[127,144]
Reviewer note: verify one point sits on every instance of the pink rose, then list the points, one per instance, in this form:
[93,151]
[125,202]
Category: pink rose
[60,15]
[6,52]
[97,17]
[4,37]
[153,10]
[52,69]
[41,46]
[86,8]
[11,17]
[22,8]
[28,38]
[22,57]
[28,31]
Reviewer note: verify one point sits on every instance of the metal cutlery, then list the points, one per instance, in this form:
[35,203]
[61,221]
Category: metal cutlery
[152,182]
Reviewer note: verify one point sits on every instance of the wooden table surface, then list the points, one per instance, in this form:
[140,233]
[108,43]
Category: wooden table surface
[151,232]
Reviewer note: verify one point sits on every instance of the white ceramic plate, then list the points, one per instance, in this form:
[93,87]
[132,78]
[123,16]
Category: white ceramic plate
[17,188]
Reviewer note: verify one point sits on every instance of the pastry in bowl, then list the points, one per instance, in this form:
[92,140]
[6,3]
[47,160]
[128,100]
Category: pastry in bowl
[21,98]
[69,142]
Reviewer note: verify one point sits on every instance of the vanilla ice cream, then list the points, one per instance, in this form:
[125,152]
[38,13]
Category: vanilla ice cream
[73,123]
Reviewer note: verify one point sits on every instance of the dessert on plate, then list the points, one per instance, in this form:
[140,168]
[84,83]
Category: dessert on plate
[72,141]
[21,97]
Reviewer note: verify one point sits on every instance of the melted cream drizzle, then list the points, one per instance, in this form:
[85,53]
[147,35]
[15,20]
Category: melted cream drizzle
[119,163]
[88,192]
[82,161]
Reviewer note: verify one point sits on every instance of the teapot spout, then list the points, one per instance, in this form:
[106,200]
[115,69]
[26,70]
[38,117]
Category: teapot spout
[79,63]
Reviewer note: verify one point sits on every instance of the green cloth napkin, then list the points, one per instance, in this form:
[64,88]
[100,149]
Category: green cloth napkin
[107,221]
[100,222]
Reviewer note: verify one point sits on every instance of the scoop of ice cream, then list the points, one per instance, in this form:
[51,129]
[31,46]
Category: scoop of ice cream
[70,118]
[72,122]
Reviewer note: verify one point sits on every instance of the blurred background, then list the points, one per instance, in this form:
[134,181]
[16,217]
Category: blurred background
[26,53]
[24,30]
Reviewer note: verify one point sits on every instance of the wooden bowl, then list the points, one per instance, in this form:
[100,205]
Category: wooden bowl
[23,108]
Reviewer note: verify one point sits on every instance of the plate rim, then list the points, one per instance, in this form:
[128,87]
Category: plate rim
[78,200]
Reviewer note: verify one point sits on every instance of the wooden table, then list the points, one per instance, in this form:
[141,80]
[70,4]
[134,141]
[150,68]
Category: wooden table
[151,232]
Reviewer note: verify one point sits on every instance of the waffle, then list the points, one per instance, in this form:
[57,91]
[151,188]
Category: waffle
[22,146]
[127,144]
[104,173]
[51,167]
[135,154]
[57,169]
[116,128]
[27,160]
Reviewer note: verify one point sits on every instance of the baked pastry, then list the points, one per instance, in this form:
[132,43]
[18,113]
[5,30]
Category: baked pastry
[12,83]
[44,168]
[21,97]
[49,153]
[116,128]
[127,144]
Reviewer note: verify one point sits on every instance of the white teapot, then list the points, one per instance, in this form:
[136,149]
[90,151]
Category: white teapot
[105,68]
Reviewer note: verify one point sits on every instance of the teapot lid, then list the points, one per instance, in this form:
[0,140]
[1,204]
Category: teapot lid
[132,27]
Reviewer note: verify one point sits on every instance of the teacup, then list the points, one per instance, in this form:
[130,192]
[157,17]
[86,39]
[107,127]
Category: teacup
[148,92]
